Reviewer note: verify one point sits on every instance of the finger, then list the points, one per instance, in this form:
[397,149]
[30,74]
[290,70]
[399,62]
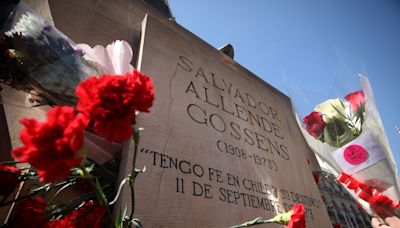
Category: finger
[377,223]
[393,221]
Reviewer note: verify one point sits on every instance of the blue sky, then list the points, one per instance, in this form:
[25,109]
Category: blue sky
[315,45]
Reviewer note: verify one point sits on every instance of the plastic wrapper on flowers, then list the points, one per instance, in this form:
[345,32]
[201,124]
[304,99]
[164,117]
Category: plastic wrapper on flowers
[349,140]
[39,59]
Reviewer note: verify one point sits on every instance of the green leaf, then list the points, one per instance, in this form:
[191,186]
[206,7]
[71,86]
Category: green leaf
[340,111]
[337,133]
[100,194]
[78,171]
[283,218]
[255,221]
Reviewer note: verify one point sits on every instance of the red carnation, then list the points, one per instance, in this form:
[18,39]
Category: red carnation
[29,213]
[90,214]
[61,223]
[52,147]
[356,99]
[297,219]
[314,124]
[112,100]
[9,176]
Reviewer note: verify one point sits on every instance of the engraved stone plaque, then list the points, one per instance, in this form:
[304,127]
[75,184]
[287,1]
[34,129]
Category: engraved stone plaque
[220,145]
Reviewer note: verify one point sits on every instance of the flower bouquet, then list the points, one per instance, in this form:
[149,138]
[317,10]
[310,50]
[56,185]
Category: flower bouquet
[55,152]
[348,138]
[73,150]
[39,59]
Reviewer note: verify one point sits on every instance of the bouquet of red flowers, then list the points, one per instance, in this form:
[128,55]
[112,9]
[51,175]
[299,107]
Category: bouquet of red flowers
[59,156]
[56,157]
[348,137]
[337,122]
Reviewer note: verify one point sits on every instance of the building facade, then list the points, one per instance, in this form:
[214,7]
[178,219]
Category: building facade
[342,208]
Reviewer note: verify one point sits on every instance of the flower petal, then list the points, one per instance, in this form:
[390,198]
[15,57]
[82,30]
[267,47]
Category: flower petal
[120,53]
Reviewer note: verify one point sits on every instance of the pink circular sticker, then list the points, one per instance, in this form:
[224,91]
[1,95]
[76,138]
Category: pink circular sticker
[355,154]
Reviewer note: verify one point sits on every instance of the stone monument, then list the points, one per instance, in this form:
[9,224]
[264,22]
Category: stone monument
[221,146]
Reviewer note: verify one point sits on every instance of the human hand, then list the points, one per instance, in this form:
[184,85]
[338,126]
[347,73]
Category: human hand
[391,222]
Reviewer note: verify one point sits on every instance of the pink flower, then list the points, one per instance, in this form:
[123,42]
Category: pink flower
[114,59]
[356,100]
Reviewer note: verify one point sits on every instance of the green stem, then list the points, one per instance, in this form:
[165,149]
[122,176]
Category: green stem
[132,187]
[99,192]
[132,176]
[257,221]
[337,136]
[133,173]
